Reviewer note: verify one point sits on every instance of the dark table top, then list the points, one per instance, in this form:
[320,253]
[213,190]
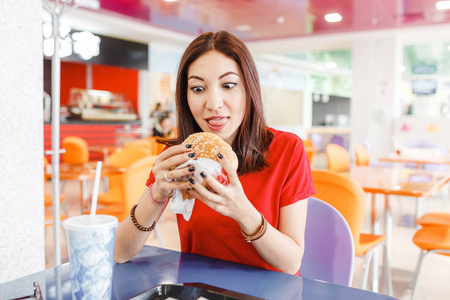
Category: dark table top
[154,266]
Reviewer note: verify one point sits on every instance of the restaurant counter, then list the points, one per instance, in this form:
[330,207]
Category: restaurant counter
[156,266]
[95,133]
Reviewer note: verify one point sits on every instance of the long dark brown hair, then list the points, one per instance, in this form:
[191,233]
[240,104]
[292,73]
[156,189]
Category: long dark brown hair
[253,139]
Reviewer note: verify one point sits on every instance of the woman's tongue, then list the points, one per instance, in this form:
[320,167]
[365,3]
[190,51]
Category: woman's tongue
[217,123]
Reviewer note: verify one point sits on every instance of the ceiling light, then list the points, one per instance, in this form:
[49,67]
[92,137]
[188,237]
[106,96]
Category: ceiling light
[334,17]
[331,65]
[441,5]
[401,69]
[86,45]
[280,20]
[170,0]
[243,27]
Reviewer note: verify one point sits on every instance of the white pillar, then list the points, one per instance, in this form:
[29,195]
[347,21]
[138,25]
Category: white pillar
[376,88]
[21,139]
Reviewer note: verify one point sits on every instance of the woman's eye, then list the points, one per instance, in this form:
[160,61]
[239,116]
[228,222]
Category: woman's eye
[229,85]
[197,89]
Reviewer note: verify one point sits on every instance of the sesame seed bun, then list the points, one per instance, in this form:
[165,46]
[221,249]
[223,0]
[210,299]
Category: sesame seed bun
[209,145]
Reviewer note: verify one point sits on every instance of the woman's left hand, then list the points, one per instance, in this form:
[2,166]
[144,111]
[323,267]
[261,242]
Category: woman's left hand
[228,200]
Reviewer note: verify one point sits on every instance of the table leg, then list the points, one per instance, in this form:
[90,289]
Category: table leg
[375,230]
[85,195]
[388,230]
[419,209]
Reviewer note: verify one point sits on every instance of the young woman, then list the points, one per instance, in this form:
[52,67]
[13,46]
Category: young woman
[259,218]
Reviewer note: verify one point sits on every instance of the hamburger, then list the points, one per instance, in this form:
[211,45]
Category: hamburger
[206,147]
[209,145]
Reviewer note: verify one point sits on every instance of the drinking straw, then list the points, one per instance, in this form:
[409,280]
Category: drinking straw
[98,171]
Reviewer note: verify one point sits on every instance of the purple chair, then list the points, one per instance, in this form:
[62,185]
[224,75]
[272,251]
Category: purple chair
[329,250]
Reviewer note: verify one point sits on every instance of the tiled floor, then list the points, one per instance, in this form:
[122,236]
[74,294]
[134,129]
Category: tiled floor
[433,282]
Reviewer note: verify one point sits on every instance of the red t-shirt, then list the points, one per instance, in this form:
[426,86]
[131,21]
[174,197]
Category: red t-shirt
[287,180]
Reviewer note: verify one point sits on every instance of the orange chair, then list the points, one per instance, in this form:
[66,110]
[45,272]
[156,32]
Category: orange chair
[435,220]
[349,199]
[362,155]
[122,159]
[76,150]
[338,158]
[430,239]
[156,148]
[310,149]
[133,184]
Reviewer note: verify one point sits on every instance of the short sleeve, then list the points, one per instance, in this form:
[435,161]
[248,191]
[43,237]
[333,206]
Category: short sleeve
[299,184]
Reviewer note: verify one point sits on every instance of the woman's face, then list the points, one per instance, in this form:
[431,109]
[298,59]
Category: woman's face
[216,94]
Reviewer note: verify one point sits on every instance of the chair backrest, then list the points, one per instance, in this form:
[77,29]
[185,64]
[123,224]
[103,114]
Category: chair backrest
[156,148]
[338,158]
[125,157]
[338,140]
[76,150]
[362,155]
[309,145]
[329,250]
[345,195]
[134,179]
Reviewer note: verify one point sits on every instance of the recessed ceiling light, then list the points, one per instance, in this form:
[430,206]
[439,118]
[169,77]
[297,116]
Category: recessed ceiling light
[441,5]
[170,0]
[280,20]
[334,17]
[243,27]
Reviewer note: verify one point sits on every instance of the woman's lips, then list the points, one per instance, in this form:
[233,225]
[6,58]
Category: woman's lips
[217,123]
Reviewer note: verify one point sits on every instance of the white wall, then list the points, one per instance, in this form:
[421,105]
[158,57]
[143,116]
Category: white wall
[376,84]
[21,139]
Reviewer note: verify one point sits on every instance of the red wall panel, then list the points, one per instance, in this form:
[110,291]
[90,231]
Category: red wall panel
[73,75]
[117,80]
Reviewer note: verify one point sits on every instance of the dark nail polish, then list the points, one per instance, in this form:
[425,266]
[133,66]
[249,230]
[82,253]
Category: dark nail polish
[192,154]
[191,180]
[191,169]
[188,190]
[220,155]
[203,174]
[189,146]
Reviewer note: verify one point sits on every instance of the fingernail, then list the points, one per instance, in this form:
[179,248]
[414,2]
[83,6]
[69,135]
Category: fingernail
[189,146]
[220,155]
[191,180]
[191,169]
[192,154]
[203,174]
[188,190]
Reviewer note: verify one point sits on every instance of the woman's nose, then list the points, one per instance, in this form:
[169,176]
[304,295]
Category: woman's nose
[215,100]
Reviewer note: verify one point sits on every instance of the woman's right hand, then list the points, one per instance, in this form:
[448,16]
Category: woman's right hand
[164,171]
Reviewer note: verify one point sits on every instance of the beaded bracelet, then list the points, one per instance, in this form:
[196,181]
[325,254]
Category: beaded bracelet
[259,234]
[135,222]
[150,195]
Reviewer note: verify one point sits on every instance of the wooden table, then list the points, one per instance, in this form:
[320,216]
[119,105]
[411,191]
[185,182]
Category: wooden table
[399,181]
[419,160]
[83,173]
[106,150]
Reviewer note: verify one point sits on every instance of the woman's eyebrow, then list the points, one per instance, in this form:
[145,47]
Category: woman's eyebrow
[228,73]
[195,77]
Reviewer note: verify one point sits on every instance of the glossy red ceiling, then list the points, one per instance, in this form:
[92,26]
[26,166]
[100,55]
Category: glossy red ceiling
[270,19]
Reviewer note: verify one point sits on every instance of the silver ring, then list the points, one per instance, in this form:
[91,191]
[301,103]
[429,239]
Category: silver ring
[165,176]
[224,193]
